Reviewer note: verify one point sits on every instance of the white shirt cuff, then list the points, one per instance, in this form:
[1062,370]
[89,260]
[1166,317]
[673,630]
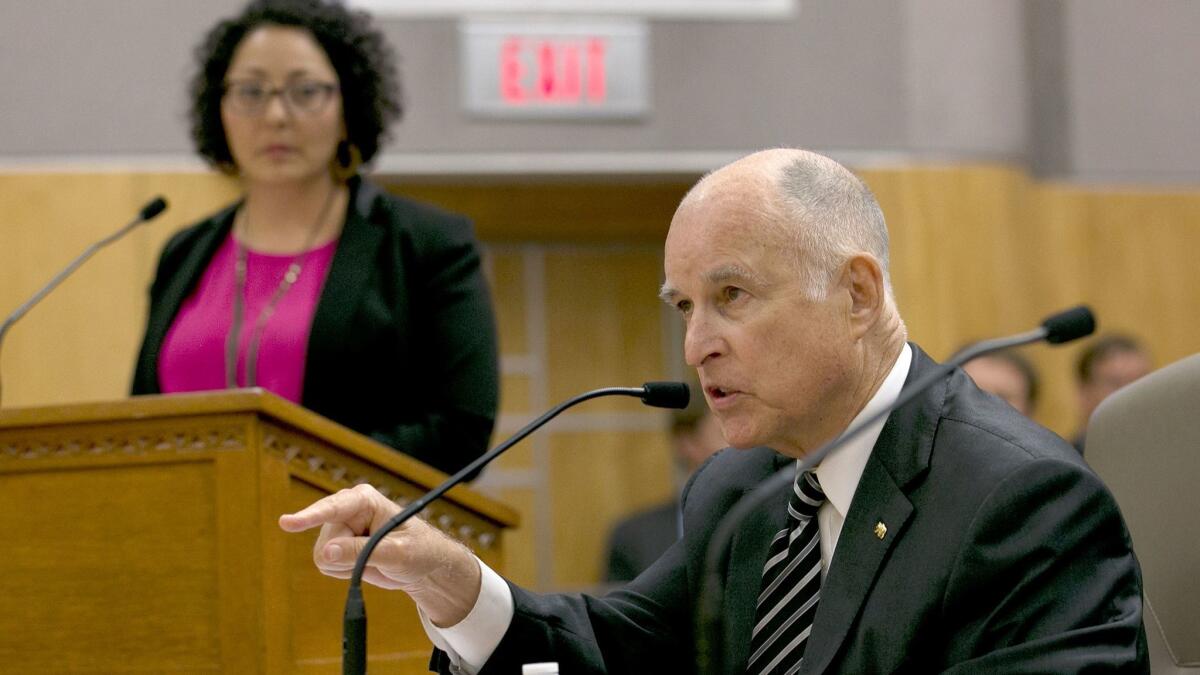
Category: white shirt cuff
[470,642]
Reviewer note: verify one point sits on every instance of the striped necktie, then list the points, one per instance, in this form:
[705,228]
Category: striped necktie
[791,586]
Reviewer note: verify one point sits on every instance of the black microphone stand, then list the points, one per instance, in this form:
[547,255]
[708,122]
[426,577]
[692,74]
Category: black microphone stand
[1062,327]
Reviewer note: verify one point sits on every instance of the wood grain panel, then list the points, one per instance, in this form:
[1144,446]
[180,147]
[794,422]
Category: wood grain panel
[506,275]
[555,211]
[519,456]
[1056,246]
[515,395]
[163,509]
[520,546]
[604,324]
[980,251]
[95,525]
[598,477]
[1139,268]
[954,247]
[80,343]
[1142,267]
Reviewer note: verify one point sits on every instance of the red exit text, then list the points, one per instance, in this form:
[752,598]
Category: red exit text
[553,71]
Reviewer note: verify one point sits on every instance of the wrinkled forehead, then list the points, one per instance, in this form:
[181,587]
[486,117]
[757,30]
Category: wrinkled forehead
[722,238]
[724,205]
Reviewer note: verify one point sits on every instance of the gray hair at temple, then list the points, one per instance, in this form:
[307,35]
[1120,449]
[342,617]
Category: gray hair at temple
[835,216]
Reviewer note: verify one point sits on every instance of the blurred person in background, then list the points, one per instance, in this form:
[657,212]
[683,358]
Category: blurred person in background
[316,285]
[1108,363]
[640,539]
[1010,376]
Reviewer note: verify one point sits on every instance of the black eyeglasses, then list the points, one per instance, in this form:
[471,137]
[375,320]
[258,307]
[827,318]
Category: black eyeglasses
[251,97]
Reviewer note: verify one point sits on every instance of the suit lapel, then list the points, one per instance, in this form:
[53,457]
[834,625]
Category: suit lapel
[901,454]
[743,581]
[349,272]
[860,553]
[748,554]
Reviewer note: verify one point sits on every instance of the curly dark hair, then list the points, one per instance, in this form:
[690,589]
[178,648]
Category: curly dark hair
[362,58]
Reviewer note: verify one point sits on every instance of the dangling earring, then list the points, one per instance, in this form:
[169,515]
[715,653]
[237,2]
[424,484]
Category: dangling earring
[346,161]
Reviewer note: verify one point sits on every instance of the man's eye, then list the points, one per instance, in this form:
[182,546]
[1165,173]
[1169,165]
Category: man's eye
[684,306]
[732,293]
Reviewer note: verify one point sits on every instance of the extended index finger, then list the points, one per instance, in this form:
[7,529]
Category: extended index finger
[341,507]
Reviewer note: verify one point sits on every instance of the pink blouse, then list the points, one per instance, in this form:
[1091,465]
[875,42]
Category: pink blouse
[193,352]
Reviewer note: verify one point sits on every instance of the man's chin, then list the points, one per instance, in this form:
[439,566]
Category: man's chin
[743,439]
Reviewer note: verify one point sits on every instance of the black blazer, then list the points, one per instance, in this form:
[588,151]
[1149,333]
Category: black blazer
[1003,553]
[403,341]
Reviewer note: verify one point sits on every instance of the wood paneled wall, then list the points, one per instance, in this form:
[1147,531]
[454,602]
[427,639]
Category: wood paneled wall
[983,251]
[80,343]
[976,251]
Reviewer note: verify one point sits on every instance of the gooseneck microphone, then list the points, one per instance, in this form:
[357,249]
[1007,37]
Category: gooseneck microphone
[147,213]
[1062,327]
[354,627]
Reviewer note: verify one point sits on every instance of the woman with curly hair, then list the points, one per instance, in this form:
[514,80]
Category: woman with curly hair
[369,309]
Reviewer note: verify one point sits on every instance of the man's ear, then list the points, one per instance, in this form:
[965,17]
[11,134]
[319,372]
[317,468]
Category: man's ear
[864,281]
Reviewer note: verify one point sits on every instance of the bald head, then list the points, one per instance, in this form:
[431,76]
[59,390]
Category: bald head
[816,208]
[776,264]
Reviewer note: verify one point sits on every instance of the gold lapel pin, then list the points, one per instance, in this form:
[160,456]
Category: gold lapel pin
[880,529]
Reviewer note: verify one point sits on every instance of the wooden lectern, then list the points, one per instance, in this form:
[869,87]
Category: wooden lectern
[142,536]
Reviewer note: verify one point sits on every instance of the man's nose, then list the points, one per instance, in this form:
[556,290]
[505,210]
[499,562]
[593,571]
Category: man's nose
[701,341]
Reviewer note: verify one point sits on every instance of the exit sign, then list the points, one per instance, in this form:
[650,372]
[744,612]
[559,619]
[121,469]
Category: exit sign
[537,70]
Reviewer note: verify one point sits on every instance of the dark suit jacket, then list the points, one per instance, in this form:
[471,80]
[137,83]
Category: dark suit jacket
[403,341]
[1003,553]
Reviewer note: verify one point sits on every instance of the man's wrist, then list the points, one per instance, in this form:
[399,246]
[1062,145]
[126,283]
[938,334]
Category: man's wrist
[447,595]
[471,642]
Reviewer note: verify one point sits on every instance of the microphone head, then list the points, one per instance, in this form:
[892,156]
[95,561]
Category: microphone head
[153,208]
[666,394]
[1068,325]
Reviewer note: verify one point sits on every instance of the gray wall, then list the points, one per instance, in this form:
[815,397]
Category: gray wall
[1134,89]
[1084,89]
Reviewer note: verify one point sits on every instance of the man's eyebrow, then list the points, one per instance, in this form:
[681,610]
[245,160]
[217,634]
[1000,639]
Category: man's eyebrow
[715,277]
[732,272]
[667,293]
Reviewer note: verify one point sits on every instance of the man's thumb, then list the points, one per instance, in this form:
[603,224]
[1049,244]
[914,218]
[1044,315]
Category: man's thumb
[344,550]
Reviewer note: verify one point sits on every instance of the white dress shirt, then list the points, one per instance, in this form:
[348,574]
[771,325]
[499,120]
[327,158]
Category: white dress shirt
[471,642]
[840,472]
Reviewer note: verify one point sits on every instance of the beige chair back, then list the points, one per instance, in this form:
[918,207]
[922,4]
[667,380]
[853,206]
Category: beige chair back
[1144,441]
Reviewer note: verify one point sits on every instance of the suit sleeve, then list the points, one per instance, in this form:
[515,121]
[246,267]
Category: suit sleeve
[459,352]
[643,628]
[1047,581]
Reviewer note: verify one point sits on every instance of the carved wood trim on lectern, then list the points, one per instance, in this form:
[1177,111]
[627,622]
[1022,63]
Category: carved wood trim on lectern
[110,439]
[317,462]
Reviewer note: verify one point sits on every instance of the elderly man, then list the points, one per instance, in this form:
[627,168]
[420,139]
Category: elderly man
[957,536]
